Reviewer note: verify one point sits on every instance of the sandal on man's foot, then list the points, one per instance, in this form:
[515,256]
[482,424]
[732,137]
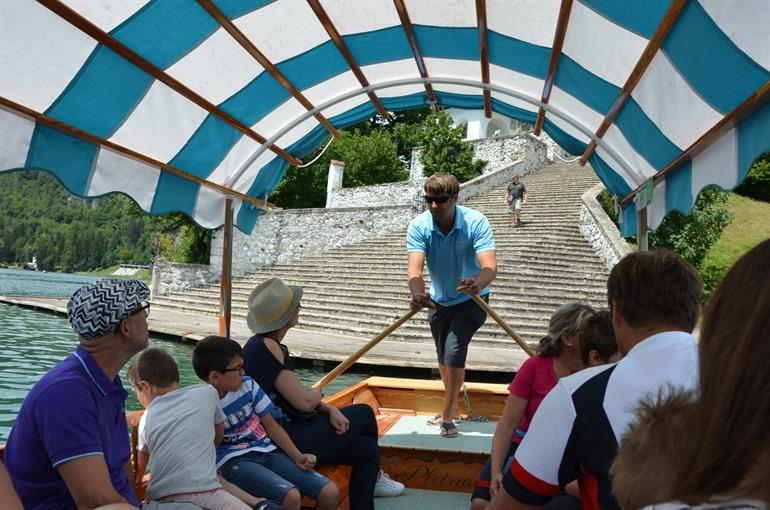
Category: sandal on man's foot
[436,419]
[448,429]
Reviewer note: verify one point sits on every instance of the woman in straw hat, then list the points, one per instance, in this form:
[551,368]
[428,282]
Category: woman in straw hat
[346,436]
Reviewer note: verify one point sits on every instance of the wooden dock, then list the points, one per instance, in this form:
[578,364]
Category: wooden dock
[305,344]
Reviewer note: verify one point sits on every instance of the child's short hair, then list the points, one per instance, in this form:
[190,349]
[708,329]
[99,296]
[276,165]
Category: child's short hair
[596,333]
[155,366]
[214,353]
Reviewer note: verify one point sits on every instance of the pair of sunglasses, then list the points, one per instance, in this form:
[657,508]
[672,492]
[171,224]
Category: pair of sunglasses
[439,200]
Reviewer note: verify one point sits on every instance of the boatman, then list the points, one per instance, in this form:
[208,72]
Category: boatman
[69,445]
[654,300]
[458,246]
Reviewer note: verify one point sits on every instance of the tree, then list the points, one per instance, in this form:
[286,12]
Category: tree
[757,182]
[443,149]
[691,236]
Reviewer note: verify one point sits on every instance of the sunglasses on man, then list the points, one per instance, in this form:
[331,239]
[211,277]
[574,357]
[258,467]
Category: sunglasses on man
[439,200]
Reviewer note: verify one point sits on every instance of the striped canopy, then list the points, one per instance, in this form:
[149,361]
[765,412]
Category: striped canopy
[180,103]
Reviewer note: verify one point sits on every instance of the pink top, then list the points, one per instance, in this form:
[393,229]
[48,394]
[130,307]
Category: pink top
[533,381]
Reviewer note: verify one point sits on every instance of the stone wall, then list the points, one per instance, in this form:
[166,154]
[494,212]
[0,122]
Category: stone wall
[282,236]
[600,231]
[500,152]
[171,277]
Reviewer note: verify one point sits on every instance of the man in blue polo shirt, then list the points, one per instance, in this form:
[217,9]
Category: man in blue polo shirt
[69,445]
[458,246]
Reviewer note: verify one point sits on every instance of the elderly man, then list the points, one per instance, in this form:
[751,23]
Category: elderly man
[69,445]
[458,246]
[654,299]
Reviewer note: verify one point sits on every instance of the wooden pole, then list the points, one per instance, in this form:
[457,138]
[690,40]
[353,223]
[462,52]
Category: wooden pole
[499,320]
[641,230]
[226,285]
[339,369]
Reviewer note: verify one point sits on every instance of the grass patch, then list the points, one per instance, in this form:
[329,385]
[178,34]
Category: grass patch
[142,274]
[750,226]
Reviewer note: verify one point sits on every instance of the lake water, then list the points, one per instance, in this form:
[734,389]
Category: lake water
[34,341]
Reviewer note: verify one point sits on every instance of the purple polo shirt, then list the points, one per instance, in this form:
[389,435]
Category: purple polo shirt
[73,411]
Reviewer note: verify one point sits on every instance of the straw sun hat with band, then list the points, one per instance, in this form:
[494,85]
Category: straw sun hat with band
[272,304]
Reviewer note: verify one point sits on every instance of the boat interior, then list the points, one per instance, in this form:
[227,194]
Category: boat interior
[438,472]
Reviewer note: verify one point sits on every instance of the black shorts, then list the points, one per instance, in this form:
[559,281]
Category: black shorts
[453,327]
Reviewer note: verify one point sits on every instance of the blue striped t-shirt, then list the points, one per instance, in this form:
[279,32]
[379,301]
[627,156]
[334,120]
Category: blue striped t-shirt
[244,431]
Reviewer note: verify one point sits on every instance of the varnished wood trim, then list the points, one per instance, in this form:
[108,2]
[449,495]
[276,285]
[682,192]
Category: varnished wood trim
[83,135]
[481,22]
[260,57]
[406,24]
[335,36]
[750,105]
[80,22]
[664,27]
[553,64]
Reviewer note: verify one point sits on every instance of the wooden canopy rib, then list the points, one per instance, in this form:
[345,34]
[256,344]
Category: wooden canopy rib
[83,135]
[751,104]
[481,21]
[406,23]
[553,64]
[665,26]
[75,19]
[335,36]
[252,50]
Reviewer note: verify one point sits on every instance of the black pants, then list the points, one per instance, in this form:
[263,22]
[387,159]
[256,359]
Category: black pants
[357,448]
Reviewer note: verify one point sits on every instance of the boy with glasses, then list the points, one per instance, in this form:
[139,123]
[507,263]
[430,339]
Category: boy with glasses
[248,455]
[457,244]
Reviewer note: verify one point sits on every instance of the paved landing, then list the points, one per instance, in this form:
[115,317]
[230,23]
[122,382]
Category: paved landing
[304,344]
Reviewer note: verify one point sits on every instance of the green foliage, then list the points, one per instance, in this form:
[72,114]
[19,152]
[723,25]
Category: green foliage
[39,218]
[371,157]
[691,236]
[443,149]
[757,182]
[608,204]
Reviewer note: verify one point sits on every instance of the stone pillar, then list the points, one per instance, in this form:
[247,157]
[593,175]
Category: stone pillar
[334,180]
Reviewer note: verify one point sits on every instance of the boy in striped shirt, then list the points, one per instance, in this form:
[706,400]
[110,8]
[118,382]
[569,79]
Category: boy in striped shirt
[248,455]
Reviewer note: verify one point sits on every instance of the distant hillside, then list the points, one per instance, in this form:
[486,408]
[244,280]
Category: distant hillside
[38,217]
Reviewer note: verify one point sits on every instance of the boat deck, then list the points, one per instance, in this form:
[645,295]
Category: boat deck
[426,500]
[414,432]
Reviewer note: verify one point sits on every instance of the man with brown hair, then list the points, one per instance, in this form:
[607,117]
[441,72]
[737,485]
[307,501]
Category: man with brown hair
[654,299]
[458,246]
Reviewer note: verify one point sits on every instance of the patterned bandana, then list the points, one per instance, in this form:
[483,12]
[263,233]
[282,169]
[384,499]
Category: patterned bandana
[97,308]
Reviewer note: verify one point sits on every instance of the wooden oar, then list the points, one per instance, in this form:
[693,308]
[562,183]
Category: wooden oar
[325,380]
[499,320]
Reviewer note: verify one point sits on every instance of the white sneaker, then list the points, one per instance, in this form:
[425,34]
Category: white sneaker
[387,487]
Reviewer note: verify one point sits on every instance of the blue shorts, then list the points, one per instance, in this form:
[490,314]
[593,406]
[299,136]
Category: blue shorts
[271,475]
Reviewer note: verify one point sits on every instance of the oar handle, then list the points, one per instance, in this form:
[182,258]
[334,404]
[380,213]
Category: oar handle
[339,369]
[499,320]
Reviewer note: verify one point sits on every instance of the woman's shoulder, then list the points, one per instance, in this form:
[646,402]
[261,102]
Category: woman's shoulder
[258,344]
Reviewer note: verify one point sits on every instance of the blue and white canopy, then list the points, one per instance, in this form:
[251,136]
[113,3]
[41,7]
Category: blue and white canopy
[180,103]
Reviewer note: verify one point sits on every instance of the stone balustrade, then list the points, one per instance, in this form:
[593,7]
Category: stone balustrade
[600,231]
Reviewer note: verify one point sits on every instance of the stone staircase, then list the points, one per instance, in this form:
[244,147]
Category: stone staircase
[358,290]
